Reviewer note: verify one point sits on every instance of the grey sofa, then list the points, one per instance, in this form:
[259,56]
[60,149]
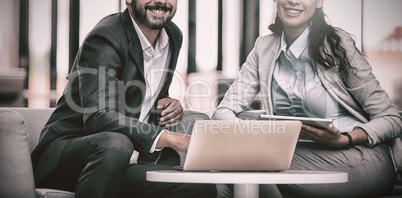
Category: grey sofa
[252,115]
[19,133]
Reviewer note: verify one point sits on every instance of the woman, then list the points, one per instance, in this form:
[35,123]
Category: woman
[308,68]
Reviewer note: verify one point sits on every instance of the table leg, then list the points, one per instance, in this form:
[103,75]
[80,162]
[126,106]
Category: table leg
[246,190]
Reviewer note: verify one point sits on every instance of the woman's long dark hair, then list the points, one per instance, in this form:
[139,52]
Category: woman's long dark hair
[319,31]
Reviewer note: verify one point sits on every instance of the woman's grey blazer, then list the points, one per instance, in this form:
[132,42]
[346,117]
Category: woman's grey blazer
[360,93]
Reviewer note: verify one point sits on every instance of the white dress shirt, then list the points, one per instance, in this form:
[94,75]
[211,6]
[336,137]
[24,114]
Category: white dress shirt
[298,91]
[156,62]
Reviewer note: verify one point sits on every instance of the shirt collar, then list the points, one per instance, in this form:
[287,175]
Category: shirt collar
[161,42]
[298,46]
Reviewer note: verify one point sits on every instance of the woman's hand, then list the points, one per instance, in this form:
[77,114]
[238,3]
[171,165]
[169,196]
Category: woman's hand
[331,137]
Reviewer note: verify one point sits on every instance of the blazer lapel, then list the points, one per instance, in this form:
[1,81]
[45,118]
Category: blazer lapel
[134,45]
[175,39]
[135,50]
[175,45]
[136,53]
[268,63]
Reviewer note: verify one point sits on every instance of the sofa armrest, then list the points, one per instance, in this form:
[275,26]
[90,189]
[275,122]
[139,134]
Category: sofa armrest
[16,176]
[35,119]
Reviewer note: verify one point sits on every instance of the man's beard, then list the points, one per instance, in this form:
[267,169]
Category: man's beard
[158,22]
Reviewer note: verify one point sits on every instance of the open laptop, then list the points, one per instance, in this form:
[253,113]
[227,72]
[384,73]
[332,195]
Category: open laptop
[241,145]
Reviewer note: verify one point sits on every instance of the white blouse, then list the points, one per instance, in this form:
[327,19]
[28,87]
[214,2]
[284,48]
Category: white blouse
[297,90]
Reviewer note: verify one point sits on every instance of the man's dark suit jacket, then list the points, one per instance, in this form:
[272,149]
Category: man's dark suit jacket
[105,91]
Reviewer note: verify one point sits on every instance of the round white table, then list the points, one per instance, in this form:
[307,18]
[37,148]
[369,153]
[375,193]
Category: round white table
[246,183]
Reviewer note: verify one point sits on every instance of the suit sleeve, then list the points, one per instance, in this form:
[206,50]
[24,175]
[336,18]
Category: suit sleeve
[243,90]
[101,98]
[384,121]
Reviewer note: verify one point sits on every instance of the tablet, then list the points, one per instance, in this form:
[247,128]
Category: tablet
[315,122]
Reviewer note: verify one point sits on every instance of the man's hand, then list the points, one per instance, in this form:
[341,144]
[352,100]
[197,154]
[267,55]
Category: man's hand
[172,112]
[178,142]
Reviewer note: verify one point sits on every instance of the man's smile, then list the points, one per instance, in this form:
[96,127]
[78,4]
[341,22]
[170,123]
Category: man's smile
[158,9]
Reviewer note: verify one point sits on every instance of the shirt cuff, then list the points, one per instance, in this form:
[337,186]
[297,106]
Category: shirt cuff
[370,141]
[153,147]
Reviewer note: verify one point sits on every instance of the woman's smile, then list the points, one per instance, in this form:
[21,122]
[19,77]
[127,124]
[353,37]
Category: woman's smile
[293,11]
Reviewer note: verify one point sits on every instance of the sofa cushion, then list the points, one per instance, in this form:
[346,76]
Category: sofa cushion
[16,176]
[35,120]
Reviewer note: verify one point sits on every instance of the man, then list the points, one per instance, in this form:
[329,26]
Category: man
[110,125]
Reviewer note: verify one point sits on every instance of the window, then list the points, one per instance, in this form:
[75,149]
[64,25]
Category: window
[382,42]
[375,25]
